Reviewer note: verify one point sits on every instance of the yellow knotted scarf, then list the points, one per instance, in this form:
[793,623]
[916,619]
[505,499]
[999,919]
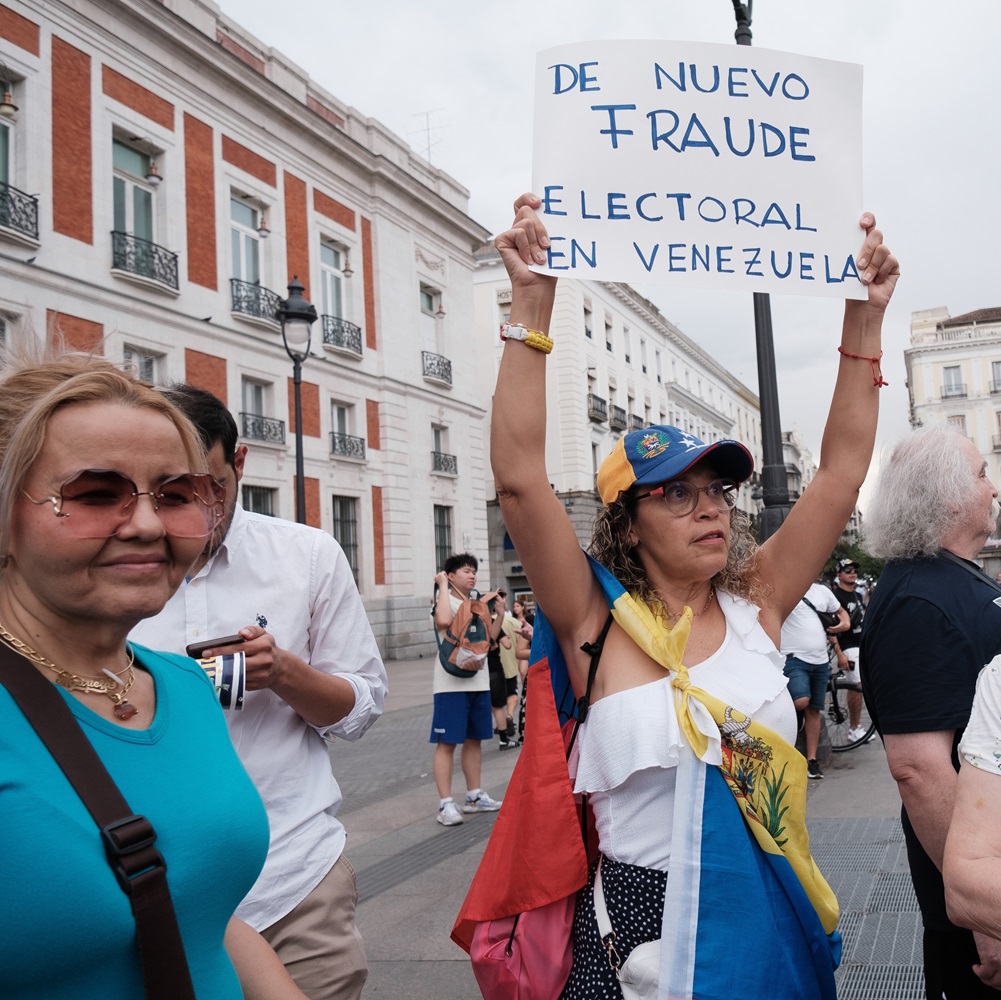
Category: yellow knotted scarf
[765,773]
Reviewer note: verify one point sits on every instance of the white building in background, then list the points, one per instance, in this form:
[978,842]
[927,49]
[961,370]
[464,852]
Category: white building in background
[954,377]
[162,179]
[799,463]
[618,364]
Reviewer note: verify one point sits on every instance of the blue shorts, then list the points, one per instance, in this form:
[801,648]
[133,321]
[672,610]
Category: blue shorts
[461,716]
[807,680]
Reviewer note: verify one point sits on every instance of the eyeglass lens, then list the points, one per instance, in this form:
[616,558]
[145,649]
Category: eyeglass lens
[96,503]
[683,498]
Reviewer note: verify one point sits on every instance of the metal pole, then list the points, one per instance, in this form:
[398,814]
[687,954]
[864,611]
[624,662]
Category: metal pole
[774,483]
[300,470]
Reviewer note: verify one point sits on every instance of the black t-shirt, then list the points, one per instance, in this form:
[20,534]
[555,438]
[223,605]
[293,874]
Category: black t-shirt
[851,601]
[930,628]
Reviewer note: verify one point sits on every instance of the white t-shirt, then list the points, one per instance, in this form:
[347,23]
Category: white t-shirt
[981,742]
[803,635]
[444,682]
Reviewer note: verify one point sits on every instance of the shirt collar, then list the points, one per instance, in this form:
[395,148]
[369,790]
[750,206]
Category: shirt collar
[231,543]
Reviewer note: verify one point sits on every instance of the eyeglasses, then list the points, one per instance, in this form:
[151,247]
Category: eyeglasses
[849,569]
[682,498]
[98,503]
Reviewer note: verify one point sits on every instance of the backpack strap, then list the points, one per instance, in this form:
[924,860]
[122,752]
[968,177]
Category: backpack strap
[593,649]
[129,840]
[963,564]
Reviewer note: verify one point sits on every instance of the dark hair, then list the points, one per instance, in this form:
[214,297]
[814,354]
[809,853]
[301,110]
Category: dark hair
[453,563]
[209,415]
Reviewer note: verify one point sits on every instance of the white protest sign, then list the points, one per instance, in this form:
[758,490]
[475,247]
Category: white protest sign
[713,166]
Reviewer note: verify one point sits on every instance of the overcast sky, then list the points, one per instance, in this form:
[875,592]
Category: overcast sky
[455,79]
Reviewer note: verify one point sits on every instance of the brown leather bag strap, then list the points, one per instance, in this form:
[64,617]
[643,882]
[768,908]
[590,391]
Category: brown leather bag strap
[129,840]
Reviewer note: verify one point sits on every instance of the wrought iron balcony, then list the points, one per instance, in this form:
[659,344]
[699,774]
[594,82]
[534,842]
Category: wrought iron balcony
[995,388]
[340,333]
[138,256]
[440,462]
[251,299]
[436,367]
[18,211]
[617,421]
[597,408]
[635,422]
[955,391]
[997,442]
[346,446]
[258,428]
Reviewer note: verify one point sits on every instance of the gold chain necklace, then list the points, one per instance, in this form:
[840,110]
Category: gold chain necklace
[673,617]
[111,687]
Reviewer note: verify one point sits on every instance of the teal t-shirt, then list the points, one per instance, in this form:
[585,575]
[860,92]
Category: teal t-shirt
[66,928]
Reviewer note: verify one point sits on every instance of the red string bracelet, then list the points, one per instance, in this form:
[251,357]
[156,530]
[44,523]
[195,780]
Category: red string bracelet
[877,374]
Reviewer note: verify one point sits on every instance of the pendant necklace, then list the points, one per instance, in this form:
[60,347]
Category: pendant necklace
[111,686]
[673,617]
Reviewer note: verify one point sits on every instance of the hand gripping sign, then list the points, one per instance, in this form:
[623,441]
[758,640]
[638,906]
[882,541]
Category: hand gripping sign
[711,166]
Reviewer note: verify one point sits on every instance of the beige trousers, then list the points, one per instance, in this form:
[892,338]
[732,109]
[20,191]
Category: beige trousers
[318,941]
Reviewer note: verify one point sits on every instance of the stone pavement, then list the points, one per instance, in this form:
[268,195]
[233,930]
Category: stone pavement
[413,874]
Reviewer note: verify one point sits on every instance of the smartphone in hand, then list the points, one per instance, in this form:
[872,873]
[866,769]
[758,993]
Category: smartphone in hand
[195,649]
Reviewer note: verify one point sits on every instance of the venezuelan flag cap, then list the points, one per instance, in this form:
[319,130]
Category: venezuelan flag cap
[658,454]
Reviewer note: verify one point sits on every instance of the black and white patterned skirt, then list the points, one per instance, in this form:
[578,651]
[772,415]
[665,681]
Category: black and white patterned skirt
[634,897]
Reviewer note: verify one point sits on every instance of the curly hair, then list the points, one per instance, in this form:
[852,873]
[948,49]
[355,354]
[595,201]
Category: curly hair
[610,546]
[923,484]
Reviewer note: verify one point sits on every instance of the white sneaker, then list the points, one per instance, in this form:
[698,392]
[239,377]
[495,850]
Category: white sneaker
[449,815]
[481,804]
[856,734]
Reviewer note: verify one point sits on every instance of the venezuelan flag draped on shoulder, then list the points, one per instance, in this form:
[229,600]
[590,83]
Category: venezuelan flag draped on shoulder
[747,913]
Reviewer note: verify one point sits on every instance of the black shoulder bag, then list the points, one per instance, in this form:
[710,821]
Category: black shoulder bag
[129,840]
[827,618]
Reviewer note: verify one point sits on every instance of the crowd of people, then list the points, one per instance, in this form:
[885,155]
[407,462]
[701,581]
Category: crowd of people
[694,656]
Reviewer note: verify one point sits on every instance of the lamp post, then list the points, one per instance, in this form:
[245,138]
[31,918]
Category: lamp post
[297,316]
[774,485]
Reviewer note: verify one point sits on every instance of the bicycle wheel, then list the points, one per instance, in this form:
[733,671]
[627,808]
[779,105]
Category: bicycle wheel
[839,731]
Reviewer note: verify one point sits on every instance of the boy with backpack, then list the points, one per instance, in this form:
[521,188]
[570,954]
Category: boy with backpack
[462,713]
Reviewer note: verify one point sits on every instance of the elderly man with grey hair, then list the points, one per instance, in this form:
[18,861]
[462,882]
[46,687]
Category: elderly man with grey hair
[931,626]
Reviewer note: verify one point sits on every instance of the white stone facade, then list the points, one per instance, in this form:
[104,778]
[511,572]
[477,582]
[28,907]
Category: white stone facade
[242,140]
[618,364]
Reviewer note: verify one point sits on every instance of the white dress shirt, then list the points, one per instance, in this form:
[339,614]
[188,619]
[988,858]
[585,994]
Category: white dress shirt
[295,582]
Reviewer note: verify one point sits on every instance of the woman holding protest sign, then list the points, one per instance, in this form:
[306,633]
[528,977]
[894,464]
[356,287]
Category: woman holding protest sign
[685,754]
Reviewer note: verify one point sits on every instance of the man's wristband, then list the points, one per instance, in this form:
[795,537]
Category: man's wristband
[531,338]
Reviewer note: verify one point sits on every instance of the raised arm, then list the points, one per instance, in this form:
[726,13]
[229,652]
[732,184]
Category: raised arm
[533,515]
[793,556]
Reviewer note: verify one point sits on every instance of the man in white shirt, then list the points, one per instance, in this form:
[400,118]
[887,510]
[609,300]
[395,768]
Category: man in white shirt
[462,714]
[804,643]
[313,673]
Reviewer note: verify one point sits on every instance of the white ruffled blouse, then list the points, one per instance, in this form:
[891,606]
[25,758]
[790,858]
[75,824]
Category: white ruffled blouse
[627,750]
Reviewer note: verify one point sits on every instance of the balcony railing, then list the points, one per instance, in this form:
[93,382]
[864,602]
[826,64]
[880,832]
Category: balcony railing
[997,442]
[258,428]
[340,333]
[955,391]
[635,422]
[18,211]
[251,299]
[437,367]
[346,446]
[617,421]
[995,388]
[597,408]
[138,256]
[440,462]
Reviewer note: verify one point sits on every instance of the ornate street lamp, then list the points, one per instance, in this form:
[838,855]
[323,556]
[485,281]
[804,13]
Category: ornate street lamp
[774,484]
[297,316]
